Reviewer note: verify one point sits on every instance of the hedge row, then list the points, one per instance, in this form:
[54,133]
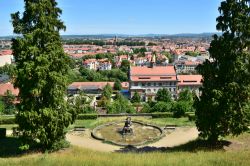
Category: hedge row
[7,120]
[86,116]
[162,115]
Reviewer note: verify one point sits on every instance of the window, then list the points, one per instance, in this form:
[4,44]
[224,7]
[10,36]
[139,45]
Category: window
[165,77]
[144,78]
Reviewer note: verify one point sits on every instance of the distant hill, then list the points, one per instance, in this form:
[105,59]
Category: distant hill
[104,36]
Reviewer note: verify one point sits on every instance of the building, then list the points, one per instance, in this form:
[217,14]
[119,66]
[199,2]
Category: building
[91,88]
[6,57]
[148,80]
[186,66]
[91,64]
[191,82]
[9,87]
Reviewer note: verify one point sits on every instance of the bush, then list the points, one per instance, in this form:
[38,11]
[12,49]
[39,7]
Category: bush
[8,120]
[162,115]
[162,107]
[2,132]
[59,145]
[179,109]
[146,108]
[191,117]
[86,116]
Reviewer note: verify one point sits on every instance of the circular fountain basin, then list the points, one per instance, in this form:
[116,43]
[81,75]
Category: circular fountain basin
[142,133]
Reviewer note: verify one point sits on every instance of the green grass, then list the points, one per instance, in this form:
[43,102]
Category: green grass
[156,121]
[79,156]
[8,126]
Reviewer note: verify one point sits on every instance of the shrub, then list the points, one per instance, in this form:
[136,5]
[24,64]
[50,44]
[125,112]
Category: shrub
[2,132]
[162,107]
[86,116]
[180,108]
[191,117]
[162,115]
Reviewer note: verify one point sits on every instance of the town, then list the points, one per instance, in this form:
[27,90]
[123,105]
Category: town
[122,83]
[145,67]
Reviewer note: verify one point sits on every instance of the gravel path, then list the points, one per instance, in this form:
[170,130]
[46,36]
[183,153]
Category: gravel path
[177,137]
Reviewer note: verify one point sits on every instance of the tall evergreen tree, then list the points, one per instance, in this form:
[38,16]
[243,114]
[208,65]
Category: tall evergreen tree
[222,108]
[42,68]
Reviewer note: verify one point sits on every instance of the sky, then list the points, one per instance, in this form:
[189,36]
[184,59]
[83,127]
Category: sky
[133,17]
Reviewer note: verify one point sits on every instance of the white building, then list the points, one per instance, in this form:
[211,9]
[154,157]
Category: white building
[148,80]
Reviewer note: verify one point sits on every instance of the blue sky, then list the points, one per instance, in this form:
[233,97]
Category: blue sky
[126,16]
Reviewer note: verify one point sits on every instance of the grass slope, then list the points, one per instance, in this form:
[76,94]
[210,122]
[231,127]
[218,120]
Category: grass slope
[78,156]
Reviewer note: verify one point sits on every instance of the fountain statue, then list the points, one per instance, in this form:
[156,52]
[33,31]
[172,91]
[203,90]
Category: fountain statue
[127,127]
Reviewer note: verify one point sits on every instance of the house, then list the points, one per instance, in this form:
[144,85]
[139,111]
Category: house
[91,88]
[6,57]
[91,64]
[9,87]
[191,82]
[105,65]
[186,66]
[148,80]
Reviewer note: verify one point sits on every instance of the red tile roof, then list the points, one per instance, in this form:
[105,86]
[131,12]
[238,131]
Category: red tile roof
[156,73]
[99,85]
[184,80]
[6,52]
[8,86]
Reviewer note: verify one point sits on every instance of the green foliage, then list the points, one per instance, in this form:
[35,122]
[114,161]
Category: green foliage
[41,75]
[8,100]
[152,44]
[180,108]
[107,92]
[86,116]
[162,115]
[120,105]
[136,98]
[169,56]
[191,53]
[81,103]
[125,65]
[162,107]
[9,69]
[103,102]
[2,106]
[186,95]
[146,108]
[105,75]
[2,133]
[221,109]
[163,95]
[117,85]
[75,76]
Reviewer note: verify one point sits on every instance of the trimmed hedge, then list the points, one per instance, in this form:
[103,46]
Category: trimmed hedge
[2,132]
[7,120]
[86,116]
[191,117]
[162,115]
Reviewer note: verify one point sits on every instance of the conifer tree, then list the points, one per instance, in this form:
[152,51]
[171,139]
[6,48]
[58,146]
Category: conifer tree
[42,68]
[222,108]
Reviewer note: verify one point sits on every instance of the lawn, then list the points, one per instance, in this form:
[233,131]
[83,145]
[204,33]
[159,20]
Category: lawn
[80,156]
[156,121]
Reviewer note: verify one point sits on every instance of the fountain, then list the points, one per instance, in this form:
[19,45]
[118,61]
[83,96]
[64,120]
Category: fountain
[128,132]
